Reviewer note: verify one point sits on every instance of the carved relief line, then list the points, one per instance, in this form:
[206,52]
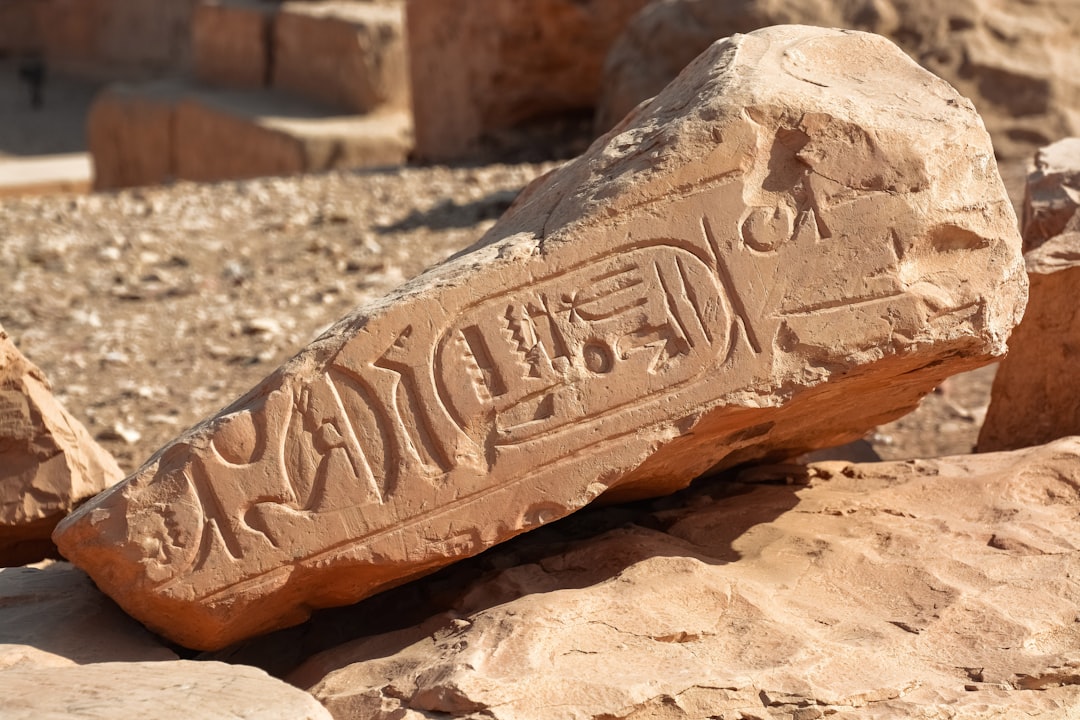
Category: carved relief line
[357,457]
[825,305]
[695,302]
[729,286]
[334,552]
[401,358]
[215,519]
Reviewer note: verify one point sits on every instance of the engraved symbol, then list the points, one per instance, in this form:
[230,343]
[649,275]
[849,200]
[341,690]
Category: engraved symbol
[581,343]
[765,228]
[599,358]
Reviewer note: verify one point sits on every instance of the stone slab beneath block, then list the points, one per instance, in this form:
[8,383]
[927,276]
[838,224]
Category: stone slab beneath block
[169,690]
[868,591]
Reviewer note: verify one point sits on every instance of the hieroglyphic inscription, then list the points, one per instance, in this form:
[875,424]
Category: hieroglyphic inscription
[581,344]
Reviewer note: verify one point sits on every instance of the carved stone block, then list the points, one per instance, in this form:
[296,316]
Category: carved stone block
[791,244]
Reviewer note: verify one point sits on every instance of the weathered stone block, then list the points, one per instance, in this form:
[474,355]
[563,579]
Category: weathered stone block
[776,254]
[48,462]
[349,55]
[19,30]
[155,132]
[1052,194]
[481,67]
[230,42]
[1034,398]
[53,616]
[116,39]
[130,135]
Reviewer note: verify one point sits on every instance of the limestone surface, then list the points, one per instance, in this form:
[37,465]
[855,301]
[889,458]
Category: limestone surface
[1015,59]
[1052,194]
[48,461]
[51,615]
[174,690]
[772,256]
[882,591]
[1034,398]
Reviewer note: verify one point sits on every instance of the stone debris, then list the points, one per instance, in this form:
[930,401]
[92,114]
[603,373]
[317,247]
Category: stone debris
[1015,59]
[614,333]
[1052,194]
[881,591]
[51,615]
[1034,397]
[48,462]
[174,690]
[478,68]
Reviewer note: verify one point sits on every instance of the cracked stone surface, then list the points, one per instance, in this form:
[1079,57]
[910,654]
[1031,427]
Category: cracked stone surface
[919,589]
[614,333]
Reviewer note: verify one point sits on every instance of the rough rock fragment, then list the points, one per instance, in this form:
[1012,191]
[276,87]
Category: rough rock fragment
[879,591]
[52,615]
[153,691]
[774,255]
[1015,59]
[1052,194]
[1034,398]
[48,462]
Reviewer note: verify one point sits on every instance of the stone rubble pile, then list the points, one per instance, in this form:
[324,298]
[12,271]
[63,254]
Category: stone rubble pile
[796,240]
